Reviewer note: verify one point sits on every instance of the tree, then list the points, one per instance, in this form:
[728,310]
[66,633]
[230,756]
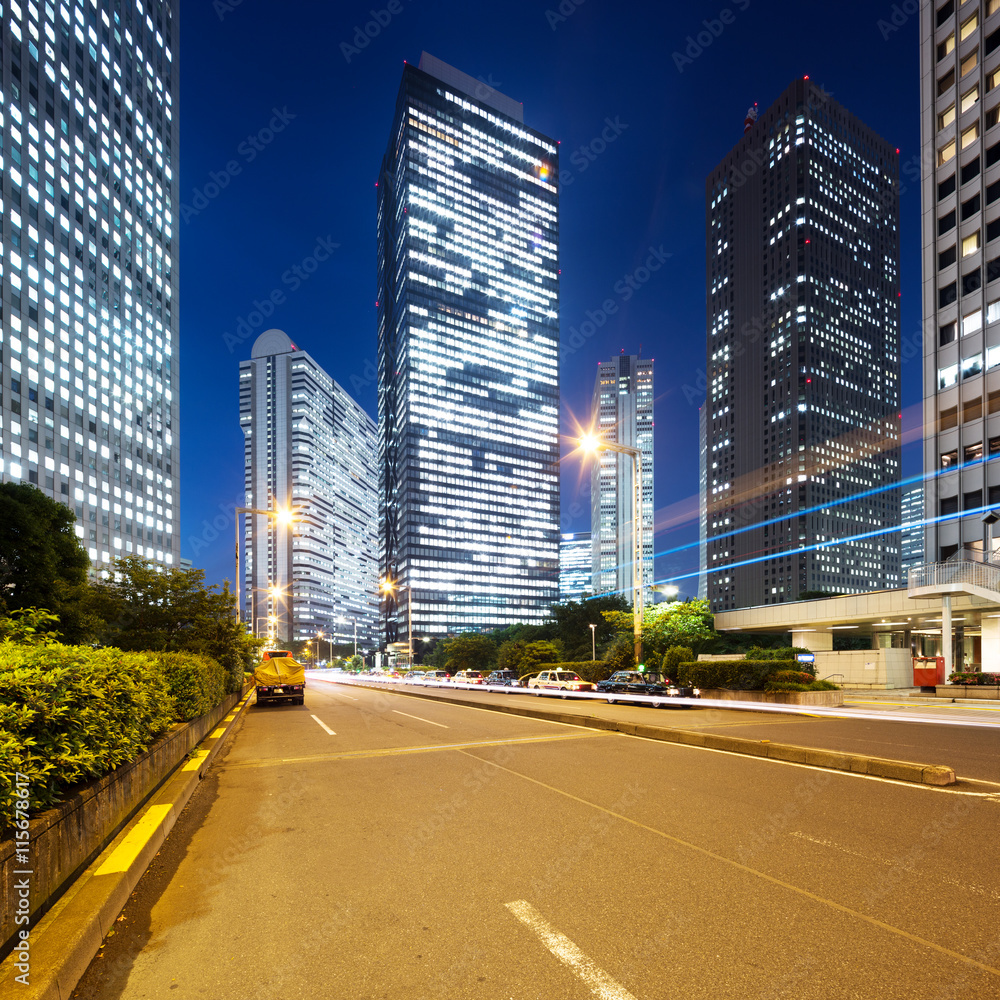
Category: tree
[147,607]
[535,654]
[620,654]
[468,651]
[574,618]
[509,654]
[42,563]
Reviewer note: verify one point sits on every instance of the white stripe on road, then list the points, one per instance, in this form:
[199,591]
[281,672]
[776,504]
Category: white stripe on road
[347,696]
[428,721]
[324,725]
[600,983]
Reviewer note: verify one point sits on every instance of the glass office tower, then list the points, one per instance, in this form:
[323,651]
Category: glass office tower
[88,96]
[468,338]
[802,425]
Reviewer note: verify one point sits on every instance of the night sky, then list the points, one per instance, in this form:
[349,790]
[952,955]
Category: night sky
[284,119]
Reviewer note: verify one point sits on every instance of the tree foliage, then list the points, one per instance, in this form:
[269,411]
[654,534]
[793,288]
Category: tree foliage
[468,651]
[145,607]
[535,654]
[42,563]
[680,623]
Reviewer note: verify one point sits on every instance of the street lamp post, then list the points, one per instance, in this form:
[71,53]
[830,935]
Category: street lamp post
[281,515]
[388,587]
[329,639]
[593,641]
[593,444]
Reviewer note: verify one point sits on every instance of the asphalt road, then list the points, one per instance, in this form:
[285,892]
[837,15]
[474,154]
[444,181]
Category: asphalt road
[373,845]
[971,747]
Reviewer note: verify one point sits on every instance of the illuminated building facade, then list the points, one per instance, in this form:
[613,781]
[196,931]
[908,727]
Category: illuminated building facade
[88,380]
[911,523]
[802,422]
[309,448]
[960,111]
[622,413]
[468,337]
[575,562]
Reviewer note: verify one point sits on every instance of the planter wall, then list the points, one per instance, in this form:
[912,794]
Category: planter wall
[831,698]
[66,838]
[983,693]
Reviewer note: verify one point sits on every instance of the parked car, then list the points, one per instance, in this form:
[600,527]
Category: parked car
[559,680]
[413,676]
[659,686]
[467,677]
[503,678]
[436,676]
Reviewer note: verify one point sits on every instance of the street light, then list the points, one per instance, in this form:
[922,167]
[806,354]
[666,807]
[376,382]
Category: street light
[344,621]
[282,515]
[593,444]
[593,641]
[388,587]
[329,639]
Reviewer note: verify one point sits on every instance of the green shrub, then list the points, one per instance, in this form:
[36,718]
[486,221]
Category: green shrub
[71,713]
[975,679]
[196,683]
[674,657]
[812,685]
[791,677]
[734,675]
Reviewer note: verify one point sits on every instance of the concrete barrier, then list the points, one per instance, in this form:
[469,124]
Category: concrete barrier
[65,839]
[829,699]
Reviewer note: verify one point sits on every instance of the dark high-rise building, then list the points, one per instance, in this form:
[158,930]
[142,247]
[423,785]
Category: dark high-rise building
[802,417]
[468,337]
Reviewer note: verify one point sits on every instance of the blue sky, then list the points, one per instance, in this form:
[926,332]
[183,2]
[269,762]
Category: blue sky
[284,115]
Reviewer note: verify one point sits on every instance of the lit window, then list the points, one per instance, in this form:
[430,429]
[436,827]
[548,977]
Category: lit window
[970,135]
[972,366]
[993,309]
[969,98]
[970,62]
[970,244]
[968,27]
[992,6]
[948,45]
[947,376]
[992,79]
[946,117]
[946,153]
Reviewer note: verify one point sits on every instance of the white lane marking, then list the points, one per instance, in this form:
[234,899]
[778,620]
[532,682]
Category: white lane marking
[324,725]
[347,696]
[417,717]
[600,983]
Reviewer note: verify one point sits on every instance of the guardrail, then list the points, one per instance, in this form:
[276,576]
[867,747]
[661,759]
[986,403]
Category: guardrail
[949,574]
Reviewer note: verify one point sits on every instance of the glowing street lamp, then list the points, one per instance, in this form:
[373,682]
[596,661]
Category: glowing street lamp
[592,444]
[593,641]
[388,587]
[285,517]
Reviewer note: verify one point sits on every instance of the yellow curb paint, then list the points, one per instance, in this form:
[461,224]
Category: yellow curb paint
[221,731]
[196,761]
[128,850]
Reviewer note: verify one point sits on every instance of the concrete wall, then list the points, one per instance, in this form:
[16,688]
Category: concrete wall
[873,668]
[66,838]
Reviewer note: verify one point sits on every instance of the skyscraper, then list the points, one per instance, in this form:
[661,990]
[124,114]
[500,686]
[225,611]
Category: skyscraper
[622,413]
[802,424]
[911,522]
[468,334]
[89,299]
[309,448]
[575,573]
[960,70]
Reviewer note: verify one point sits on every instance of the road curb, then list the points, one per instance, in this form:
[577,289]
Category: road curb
[68,937]
[938,775]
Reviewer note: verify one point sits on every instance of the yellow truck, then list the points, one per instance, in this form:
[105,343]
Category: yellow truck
[279,678]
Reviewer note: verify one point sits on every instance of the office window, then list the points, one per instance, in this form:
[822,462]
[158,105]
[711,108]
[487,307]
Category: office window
[992,41]
[946,153]
[994,442]
[971,322]
[946,117]
[973,500]
[946,82]
[973,452]
[993,311]
[947,376]
[945,47]
[970,170]
[970,135]
[944,12]
[992,230]
[993,154]
[946,333]
[993,401]
[947,295]
[992,79]
[946,257]
[948,419]
[949,505]
[993,269]
[970,244]
[971,282]
[969,98]
[969,63]
[992,117]
[968,26]
[992,6]
[992,192]
[972,366]
[972,409]
[946,223]
[947,187]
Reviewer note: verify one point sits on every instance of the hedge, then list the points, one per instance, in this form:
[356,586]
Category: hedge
[976,679]
[589,670]
[69,714]
[736,675]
